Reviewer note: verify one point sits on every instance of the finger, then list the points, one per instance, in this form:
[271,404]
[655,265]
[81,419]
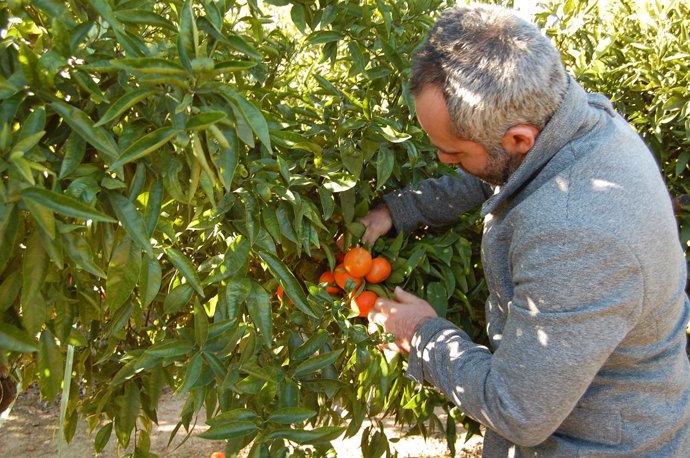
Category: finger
[390,348]
[403,296]
[369,236]
[376,318]
[379,305]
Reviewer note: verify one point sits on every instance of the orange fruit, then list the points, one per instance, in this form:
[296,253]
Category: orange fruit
[380,270]
[279,293]
[328,278]
[358,262]
[217,455]
[341,275]
[364,303]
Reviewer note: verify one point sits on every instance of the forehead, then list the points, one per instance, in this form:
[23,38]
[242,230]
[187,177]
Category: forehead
[432,114]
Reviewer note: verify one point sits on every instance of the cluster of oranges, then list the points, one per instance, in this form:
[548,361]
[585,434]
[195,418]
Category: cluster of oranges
[358,266]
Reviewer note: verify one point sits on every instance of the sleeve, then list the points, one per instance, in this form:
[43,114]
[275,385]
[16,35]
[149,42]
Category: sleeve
[575,297]
[436,202]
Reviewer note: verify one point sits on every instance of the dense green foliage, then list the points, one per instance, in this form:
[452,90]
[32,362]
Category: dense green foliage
[166,164]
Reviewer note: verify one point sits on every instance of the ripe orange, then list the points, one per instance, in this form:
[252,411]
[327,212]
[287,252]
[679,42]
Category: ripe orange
[358,262]
[341,275]
[328,278]
[279,293]
[380,270]
[218,455]
[364,303]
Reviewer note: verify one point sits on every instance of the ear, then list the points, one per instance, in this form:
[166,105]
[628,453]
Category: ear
[519,139]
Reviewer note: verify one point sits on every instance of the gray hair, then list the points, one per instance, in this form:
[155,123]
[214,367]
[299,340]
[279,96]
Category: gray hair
[495,70]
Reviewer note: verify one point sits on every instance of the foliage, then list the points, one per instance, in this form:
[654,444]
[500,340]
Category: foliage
[165,166]
[637,53]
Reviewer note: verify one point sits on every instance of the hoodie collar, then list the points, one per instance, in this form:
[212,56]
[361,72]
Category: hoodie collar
[570,117]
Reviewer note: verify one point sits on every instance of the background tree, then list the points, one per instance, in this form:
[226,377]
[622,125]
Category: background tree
[166,165]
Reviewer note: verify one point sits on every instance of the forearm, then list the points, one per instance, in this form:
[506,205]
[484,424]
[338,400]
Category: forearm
[444,356]
[436,202]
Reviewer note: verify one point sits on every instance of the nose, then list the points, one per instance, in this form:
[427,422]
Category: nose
[447,158]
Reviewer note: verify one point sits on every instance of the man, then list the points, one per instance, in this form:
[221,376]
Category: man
[587,309]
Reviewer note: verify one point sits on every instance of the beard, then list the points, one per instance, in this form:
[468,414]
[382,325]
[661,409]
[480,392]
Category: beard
[500,166]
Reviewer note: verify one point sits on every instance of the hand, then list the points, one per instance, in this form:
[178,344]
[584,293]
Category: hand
[377,222]
[401,317]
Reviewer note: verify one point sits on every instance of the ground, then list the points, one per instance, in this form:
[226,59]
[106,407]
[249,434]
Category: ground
[29,431]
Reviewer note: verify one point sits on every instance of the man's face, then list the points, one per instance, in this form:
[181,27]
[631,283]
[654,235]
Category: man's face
[493,165]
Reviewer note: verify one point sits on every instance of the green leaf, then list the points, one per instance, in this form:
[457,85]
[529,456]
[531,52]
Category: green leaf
[186,268]
[43,216]
[123,273]
[323,36]
[34,271]
[149,66]
[9,289]
[253,116]
[9,235]
[85,128]
[153,206]
[178,298]
[75,149]
[50,365]
[339,182]
[259,307]
[131,220]
[307,436]
[236,294]
[129,410]
[150,281]
[119,319]
[233,66]
[64,204]
[103,436]
[13,339]
[285,223]
[79,251]
[231,416]
[86,82]
[191,374]
[243,46]
[384,166]
[289,415]
[123,104]
[200,324]
[437,297]
[170,349]
[28,143]
[144,17]
[287,279]
[204,120]
[316,363]
[311,346]
[228,154]
[229,430]
[145,146]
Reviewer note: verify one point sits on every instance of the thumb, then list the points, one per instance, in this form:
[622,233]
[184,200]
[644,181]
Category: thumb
[403,296]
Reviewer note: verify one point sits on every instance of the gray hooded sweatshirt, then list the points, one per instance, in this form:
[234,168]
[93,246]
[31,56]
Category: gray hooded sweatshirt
[587,310]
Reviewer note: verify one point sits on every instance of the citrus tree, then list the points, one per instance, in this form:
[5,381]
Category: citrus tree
[166,167]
